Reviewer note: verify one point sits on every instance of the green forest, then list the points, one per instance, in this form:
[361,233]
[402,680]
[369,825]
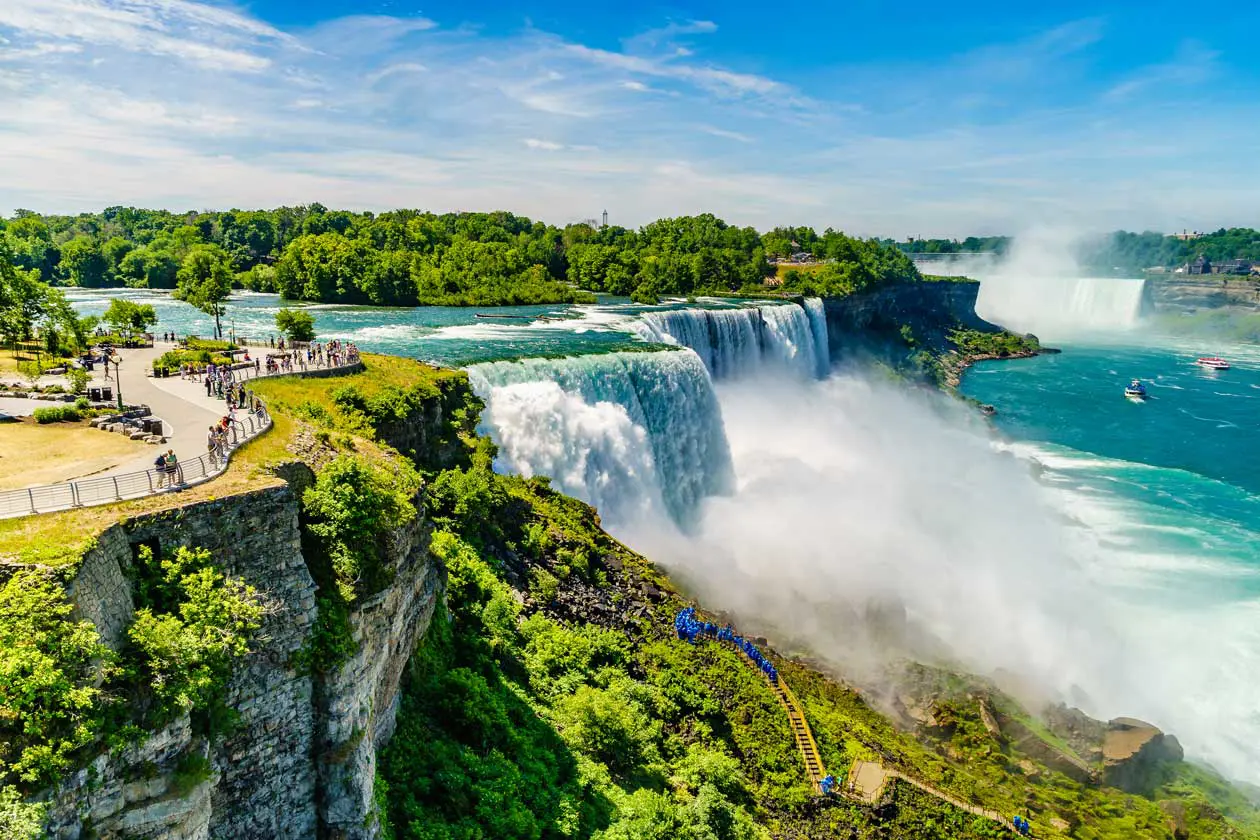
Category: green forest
[1123,251]
[408,257]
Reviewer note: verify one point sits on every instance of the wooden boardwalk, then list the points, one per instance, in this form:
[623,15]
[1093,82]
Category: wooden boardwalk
[867,780]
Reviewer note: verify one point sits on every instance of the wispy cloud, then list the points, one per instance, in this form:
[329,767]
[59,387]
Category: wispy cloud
[162,102]
[196,32]
[1193,64]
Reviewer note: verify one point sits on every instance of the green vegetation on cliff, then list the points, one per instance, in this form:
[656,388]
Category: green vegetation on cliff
[64,695]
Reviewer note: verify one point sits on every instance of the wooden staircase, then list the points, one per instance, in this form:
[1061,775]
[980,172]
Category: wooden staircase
[801,733]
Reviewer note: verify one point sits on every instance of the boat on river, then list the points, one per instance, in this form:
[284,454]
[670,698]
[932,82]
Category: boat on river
[1212,363]
[1136,390]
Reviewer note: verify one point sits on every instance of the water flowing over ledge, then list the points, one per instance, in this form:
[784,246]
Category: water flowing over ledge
[635,434]
[737,342]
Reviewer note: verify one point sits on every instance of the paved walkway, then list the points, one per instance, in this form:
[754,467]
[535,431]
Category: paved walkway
[186,413]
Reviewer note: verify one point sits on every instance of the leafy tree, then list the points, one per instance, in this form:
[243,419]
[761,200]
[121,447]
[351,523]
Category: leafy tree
[127,316]
[199,622]
[83,264]
[297,324]
[205,281]
[352,506]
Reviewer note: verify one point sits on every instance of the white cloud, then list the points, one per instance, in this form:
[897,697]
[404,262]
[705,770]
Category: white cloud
[708,77]
[196,32]
[120,102]
[1193,64]
[400,69]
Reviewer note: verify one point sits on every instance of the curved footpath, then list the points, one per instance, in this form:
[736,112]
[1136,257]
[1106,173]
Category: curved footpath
[186,413]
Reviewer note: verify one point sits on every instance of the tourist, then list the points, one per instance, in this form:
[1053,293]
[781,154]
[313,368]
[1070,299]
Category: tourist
[172,466]
[212,448]
[159,467]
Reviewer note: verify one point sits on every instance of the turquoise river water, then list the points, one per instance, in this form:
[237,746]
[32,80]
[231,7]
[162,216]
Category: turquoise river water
[1105,551]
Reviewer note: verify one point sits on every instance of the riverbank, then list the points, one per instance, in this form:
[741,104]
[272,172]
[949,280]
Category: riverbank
[954,364]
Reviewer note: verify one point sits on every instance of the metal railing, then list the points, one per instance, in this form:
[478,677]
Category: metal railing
[98,491]
[105,489]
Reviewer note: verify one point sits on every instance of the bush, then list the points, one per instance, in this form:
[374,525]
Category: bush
[58,414]
[196,623]
[351,508]
[50,699]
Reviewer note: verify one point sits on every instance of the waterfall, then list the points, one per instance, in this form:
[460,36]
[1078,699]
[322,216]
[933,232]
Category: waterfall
[1055,306]
[634,434]
[822,341]
[735,342]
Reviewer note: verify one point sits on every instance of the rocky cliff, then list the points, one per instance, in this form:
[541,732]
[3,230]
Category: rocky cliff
[872,321]
[1188,293]
[300,761]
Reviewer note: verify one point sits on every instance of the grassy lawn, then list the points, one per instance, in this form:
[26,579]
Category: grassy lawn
[34,454]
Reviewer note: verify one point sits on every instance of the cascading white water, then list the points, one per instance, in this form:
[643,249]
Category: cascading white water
[734,343]
[1055,306]
[635,434]
[822,342]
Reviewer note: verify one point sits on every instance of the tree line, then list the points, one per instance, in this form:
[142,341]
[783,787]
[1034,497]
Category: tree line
[409,257]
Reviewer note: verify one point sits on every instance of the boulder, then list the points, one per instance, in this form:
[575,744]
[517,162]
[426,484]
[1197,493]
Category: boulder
[1178,824]
[1137,756]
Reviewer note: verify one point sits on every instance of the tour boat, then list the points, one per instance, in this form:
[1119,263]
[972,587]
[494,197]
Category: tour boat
[1136,390]
[1212,363]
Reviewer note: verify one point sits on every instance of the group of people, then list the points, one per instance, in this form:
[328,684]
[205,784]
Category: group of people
[217,441]
[1022,826]
[167,469]
[332,353]
[690,629]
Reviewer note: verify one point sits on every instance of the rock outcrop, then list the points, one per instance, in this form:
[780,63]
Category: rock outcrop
[1137,756]
[856,323]
[1187,293]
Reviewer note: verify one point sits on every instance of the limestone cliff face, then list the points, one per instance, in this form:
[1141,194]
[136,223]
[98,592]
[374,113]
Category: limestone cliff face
[302,761]
[263,778]
[871,321]
[357,704]
[1187,293]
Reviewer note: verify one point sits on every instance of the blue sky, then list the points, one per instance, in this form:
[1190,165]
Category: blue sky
[895,119]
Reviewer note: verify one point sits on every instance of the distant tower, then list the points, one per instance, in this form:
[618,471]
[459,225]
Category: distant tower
[605,224]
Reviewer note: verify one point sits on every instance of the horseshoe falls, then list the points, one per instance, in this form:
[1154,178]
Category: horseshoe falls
[1061,306]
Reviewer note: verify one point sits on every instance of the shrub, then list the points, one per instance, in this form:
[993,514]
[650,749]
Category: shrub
[351,508]
[58,414]
[49,680]
[20,820]
[199,623]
